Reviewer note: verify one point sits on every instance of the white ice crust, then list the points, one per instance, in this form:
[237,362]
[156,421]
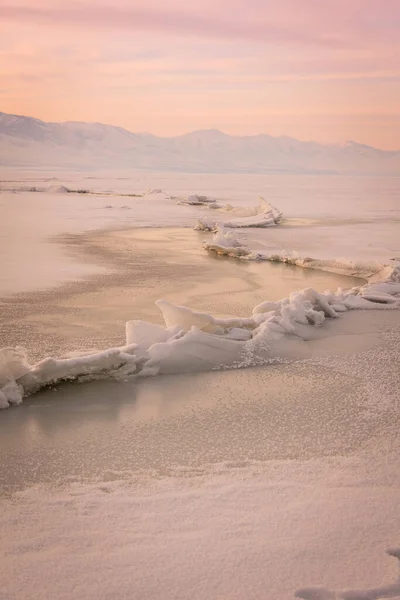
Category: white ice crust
[196,341]
[262,215]
[226,242]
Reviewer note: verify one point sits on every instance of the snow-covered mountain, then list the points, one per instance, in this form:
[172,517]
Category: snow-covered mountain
[31,143]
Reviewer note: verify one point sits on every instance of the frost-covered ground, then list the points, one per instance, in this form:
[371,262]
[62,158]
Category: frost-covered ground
[228,484]
[251,483]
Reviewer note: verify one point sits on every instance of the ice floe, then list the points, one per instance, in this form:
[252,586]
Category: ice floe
[262,215]
[225,242]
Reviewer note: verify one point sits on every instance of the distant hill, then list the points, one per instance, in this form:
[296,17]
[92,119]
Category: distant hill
[26,142]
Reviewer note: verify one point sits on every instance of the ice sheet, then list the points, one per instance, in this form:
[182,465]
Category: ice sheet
[325,217]
[200,341]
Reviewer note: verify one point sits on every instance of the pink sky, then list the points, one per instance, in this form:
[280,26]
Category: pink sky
[327,70]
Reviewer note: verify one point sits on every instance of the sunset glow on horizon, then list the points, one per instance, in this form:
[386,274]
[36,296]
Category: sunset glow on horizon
[327,70]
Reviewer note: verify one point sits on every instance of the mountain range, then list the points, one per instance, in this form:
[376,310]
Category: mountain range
[29,143]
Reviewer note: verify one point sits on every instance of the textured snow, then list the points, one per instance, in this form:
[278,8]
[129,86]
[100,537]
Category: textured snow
[383,591]
[249,530]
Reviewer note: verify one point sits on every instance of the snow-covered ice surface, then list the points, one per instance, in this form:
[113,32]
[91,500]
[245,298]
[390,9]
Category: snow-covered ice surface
[252,483]
[193,341]
[256,531]
[217,482]
[384,591]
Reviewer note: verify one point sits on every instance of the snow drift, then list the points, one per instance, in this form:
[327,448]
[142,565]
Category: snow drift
[196,341]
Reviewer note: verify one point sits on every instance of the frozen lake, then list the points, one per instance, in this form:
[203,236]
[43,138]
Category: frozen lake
[351,217]
[239,483]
